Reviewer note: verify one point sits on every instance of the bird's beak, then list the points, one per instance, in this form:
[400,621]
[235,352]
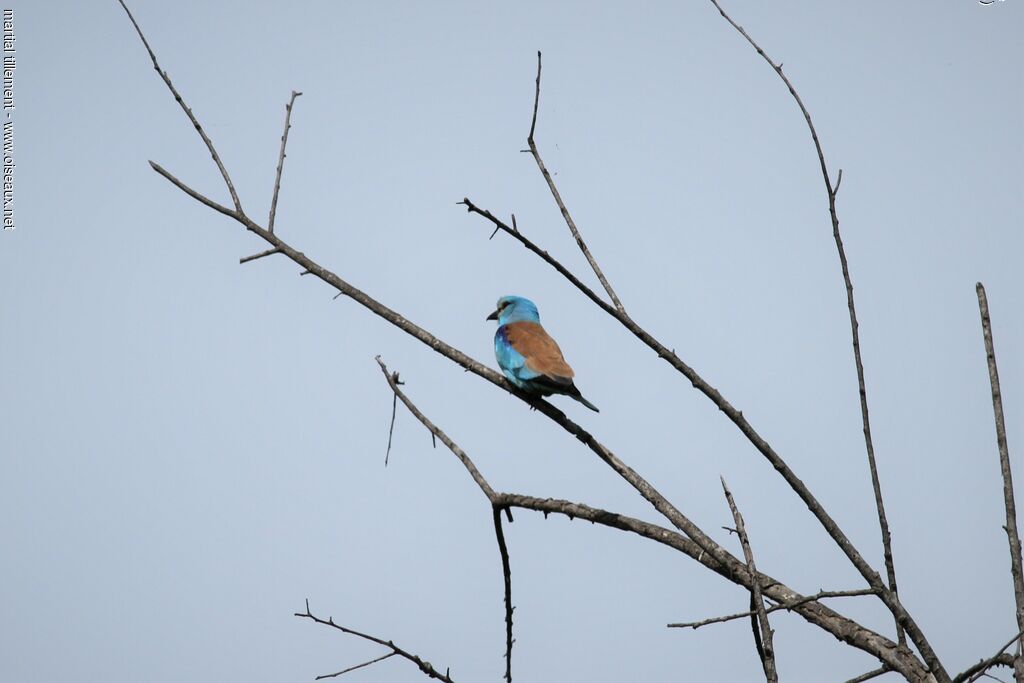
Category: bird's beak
[493,316]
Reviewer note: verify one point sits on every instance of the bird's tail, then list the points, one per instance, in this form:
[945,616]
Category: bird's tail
[579,397]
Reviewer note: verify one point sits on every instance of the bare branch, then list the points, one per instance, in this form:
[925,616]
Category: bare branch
[1000,658]
[558,198]
[506,571]
[280,159]
[762,629]
[788,606]
[188,112]
[1004,463]
[874,673]
[883,523]
[423,666]
[357,666]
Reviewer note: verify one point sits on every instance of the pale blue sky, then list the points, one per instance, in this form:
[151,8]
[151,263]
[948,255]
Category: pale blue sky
[190,448]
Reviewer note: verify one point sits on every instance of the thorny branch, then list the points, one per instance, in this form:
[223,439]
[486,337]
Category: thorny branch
[1004,464]
[424,666]
[832,191]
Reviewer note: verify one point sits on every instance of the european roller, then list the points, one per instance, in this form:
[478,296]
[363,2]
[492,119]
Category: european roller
[527,355]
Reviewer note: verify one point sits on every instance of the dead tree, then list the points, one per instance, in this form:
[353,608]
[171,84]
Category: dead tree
[767,594]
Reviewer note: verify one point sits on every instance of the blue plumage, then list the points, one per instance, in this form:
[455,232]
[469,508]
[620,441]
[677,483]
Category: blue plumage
[527,355]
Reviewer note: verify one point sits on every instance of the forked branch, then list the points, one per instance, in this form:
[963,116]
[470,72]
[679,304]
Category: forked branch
[188,112]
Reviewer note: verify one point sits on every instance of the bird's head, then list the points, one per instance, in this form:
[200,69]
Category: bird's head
[513,309]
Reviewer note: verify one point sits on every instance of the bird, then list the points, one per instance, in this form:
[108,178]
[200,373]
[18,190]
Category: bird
[526,353]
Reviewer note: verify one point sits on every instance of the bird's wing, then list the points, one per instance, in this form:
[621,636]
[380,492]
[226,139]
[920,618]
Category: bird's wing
[541,352]
[509,359]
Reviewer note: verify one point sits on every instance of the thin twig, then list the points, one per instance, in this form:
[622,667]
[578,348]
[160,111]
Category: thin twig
[1004,464]
[536,100]
[394,411]
[788,606]
[506,571]
[188,112]
[357,666]
[874,673]
[761,627]
[558,198]
[423,666]
[202,199]
[268,252]
[280,159]
[854,327]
